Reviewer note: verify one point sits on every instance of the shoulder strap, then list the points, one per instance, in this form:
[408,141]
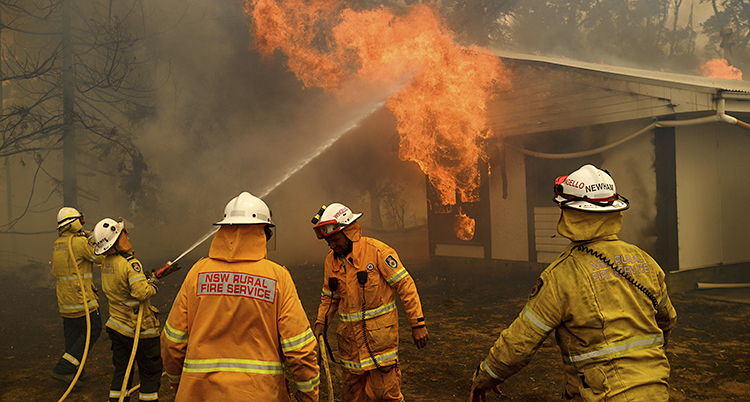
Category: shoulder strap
[622,273]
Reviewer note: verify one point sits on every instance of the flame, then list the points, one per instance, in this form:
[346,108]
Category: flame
[720,68]
[464,227]
[440,110]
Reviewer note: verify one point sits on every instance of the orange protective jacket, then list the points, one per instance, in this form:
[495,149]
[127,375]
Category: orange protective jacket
[235,321]
[126,288]
[69,296]
[610,335]
[384,274]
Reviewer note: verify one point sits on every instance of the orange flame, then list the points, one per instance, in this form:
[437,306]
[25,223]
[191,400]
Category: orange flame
[441,111]
[464,227]
[720,68]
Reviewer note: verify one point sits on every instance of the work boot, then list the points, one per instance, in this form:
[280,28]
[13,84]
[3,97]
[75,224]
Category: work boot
[67,378]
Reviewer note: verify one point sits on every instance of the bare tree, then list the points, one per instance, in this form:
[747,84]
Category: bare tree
[78,78]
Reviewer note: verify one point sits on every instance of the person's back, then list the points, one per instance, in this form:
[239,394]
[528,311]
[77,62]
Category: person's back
[605,299]
[609,335]
[73,265]
[235,321]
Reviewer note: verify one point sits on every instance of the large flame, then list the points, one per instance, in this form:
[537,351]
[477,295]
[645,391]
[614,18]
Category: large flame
[441,108]
[720,68]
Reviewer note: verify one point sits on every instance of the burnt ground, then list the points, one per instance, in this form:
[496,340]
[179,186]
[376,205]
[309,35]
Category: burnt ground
[709,350]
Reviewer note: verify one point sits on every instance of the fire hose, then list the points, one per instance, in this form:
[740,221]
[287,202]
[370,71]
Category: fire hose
[326,368]
[167,269]
[124,387]
[88,321]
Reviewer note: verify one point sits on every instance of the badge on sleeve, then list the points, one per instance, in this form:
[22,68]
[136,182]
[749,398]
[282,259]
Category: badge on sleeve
[392,262]
[535,290]
[136,266]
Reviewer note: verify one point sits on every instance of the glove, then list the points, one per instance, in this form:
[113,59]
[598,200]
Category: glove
[174,385]
[151,277]
[481,383]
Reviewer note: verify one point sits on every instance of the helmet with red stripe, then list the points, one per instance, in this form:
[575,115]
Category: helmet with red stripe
[589,189]
[330,219]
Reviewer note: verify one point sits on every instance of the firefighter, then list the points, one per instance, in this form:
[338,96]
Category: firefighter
[606,300]
[361,275]
[237,319]
[129,291]
[72,245]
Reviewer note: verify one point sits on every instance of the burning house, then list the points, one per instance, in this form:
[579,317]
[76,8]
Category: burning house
[675,144]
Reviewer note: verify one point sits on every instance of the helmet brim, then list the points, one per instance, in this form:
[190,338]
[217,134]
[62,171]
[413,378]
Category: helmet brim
[581,205]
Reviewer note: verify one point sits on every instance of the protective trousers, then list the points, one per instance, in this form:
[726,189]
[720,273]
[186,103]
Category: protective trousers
[74,330]
[148,358]
[643,393]
[374,384]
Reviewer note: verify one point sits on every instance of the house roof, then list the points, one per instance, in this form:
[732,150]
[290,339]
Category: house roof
[628,73]
[548,94]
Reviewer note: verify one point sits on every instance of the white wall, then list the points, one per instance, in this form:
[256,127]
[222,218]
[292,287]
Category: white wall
[713,187]
[509,216]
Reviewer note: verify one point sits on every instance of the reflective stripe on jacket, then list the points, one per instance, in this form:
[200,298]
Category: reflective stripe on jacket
[126,287]
[386,276]
[234,323]
[610,336]
[69,297]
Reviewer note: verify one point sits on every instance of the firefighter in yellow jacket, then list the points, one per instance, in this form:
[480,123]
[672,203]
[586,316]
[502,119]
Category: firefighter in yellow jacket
[237,319]
[605,299]
[361,275]
[72,245]
[129,291]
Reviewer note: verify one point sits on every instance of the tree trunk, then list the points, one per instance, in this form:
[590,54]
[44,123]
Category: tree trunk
[375,219]
[70,174]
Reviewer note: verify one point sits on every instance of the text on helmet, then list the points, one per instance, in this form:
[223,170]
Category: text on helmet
[599,186]
[574,183]
[340,212]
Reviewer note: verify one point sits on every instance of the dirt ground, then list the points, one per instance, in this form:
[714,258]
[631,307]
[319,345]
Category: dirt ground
[709,350]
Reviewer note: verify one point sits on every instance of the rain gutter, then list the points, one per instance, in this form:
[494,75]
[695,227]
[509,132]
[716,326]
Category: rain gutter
[720,116]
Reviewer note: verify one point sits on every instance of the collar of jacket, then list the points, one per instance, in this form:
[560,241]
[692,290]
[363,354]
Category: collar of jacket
[70,229]
[238,243]
[582,226]
[353,232]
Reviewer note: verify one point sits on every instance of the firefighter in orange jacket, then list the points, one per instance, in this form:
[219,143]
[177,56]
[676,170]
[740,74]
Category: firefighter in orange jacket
[605,299]
[237,319]
[129,291]
[361,274]
[72,244]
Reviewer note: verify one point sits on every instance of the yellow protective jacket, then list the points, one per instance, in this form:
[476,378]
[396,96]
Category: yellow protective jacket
[385,273]
[610,335]
[126,288]
[235,321]
[69,296]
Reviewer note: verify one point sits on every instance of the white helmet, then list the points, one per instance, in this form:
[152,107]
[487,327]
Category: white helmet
[589,189]
[105,234]
[332,218]
[246,209]
[67,215]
